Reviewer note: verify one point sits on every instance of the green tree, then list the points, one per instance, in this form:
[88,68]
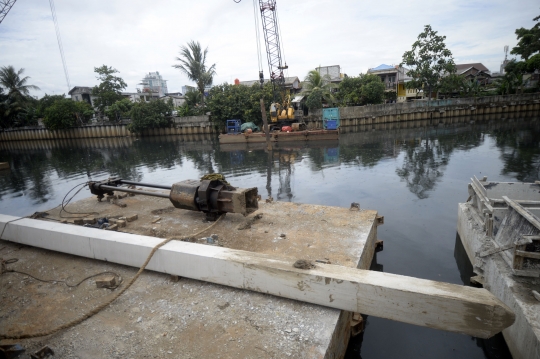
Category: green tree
[66,113]
[315,99]
[528,41]
[119,110]
[154,114]
[109,89]
[15,97]
[17,87]
[227,102]
[362,90]
[45,102]
[193,64]
[533,63]
[314,81]
[429,61]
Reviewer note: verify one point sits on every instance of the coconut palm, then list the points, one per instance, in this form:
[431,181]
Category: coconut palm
[193,63]
[315,82]
[17,87]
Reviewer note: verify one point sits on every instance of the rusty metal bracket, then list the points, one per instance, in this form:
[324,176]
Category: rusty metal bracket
[357,324]
[380,220]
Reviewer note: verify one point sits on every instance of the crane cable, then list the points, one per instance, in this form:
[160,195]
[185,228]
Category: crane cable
[57,29]
[257,35]
[281,42]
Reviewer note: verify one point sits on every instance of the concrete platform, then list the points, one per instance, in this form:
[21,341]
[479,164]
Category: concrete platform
[159,317]
[480,233]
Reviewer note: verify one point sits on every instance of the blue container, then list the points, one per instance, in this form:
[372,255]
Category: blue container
[330,124]
[233,126]
[330,117]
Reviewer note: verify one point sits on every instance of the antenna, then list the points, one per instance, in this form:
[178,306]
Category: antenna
[505,52]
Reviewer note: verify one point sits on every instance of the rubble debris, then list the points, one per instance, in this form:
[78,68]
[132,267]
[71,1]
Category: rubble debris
[247,224]
[156,220]
[43,353]
[355,206]
[121,223]
[107,282]
[132,218]
[303,264]
[89,220]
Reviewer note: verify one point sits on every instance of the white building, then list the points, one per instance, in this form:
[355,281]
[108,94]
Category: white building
[154,82]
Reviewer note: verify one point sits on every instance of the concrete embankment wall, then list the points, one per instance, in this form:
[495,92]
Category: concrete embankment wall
[481,108]
[492,107]
[193,125]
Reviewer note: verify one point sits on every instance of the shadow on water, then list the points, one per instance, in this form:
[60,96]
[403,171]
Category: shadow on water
[412,173]
[494,347]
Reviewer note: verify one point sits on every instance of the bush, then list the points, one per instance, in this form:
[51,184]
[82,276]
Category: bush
[119,110]
[314,100]
[155,114]
[65,113]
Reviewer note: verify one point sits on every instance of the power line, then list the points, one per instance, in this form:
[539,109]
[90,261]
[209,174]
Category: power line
[57,28]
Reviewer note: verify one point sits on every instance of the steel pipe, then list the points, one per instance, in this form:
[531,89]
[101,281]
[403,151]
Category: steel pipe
[151,185]
[135,191]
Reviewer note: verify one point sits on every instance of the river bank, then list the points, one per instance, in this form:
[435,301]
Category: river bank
[468,109]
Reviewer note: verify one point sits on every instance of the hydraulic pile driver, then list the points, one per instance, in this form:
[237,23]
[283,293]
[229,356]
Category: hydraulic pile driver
[211,196]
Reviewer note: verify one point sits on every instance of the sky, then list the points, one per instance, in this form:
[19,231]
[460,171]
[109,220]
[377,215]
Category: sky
[136,37]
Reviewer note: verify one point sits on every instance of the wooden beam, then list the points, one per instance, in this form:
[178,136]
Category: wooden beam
[523,212]
[534,255]
[437,305]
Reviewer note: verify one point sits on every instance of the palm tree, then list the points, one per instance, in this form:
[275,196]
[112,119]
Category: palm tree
[314,81]
[193,63]
[17,87]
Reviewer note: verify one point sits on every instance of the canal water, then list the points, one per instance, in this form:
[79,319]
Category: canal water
[413,173]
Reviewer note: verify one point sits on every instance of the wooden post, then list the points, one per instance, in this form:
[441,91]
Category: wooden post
[455,308]
[266,129]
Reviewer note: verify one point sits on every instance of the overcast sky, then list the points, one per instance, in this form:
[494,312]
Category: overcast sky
[137,37]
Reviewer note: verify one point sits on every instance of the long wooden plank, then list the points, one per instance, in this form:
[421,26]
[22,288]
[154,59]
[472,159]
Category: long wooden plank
[482,197]
[533,255]
[437,305]
[523,212]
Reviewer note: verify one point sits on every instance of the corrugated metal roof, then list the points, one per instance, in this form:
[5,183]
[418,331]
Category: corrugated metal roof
[383,67]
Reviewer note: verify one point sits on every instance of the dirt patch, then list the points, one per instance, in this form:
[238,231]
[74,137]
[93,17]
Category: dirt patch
[163,210]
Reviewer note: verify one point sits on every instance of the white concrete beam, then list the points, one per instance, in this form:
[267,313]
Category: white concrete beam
[421,302]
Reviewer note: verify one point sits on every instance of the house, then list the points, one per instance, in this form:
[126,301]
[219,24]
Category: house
[388,75]
[333,71]
[177,100]
[82,93]
[141,96]
[475,71]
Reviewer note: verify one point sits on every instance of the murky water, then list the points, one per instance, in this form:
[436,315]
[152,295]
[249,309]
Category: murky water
[413,176]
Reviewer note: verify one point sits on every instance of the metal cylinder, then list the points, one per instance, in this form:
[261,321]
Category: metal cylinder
[184,194]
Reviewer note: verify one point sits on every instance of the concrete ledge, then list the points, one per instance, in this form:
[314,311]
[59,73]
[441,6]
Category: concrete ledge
[523,337]
[416,301]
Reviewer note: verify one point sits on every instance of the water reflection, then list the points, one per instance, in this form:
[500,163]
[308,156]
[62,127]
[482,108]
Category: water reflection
[382,166]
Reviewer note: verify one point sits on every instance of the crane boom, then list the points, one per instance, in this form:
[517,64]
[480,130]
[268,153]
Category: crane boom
[280,109]
[5,6]
[272,41]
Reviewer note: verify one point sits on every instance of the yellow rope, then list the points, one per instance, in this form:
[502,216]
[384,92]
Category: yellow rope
[102,306]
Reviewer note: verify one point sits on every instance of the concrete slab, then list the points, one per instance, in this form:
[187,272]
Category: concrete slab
[159,317]
[523,337]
